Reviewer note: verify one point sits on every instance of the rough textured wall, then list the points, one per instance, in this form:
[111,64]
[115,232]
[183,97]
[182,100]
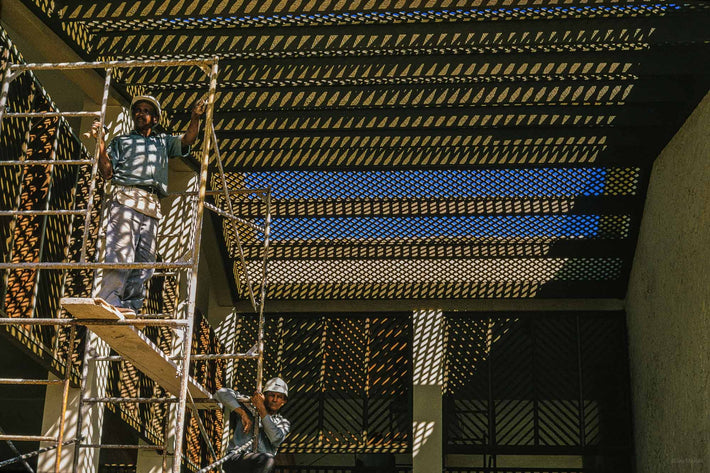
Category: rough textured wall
[668,307]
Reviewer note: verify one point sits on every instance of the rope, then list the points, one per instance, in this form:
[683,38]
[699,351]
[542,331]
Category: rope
[35,453]
[16,452]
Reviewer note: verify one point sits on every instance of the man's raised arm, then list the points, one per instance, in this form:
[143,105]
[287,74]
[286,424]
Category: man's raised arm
[188,139]
[105,167]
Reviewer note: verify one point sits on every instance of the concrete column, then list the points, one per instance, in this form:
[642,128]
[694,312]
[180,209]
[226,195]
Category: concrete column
[46,462]
[428,361]
[92,415]
[150,461]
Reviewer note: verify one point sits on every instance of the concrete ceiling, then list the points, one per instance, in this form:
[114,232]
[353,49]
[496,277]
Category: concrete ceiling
[424,149]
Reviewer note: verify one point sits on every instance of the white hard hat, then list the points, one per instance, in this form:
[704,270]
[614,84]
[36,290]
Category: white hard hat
[150,99]
[276,385]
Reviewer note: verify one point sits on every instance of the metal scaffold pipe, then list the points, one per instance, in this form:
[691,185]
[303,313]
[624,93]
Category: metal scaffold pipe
[187,333]
[58,66]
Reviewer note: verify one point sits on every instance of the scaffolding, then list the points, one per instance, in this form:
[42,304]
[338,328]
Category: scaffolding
[121,333]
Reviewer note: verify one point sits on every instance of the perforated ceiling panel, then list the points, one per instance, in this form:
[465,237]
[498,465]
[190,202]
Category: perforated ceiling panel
[425,148]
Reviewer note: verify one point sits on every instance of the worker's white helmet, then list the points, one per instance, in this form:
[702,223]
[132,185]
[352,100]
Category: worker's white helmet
[151,100]
[276,385]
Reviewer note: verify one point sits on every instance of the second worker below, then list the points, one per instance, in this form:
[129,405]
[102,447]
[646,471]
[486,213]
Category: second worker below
[273,427]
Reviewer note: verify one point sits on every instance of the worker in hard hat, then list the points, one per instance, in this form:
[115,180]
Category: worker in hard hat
[273,427]
[137,166]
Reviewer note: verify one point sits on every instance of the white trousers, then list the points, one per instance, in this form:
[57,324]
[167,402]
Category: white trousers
[130,238]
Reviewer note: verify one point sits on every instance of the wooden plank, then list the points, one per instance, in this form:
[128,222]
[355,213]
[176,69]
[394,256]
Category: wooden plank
[132,344]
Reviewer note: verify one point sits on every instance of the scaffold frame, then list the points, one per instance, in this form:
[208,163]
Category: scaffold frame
[185,325]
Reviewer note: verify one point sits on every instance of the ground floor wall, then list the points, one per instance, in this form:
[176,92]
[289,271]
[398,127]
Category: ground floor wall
[668,308]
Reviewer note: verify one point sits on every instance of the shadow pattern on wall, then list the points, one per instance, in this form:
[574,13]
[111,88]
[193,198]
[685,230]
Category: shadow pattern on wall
[349,378]
[539,384]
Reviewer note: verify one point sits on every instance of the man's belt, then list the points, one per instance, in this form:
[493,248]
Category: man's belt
[149,189]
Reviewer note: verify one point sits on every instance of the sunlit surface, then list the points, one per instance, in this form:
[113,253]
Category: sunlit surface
[422,432]
[428,348]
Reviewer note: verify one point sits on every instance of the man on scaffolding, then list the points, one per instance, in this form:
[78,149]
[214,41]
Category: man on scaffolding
[272,432]
[137,166]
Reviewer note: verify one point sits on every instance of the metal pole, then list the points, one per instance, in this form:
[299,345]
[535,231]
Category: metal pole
[65,398]
[44,382]
[51,265]
[29,438]
[187,334]
[226,356]
[129,400]
[119,446]
[226,458]
[8,77]
[51,114]
[111,64]
[90,322]
[221,191]
[66,162]
[95,166]
[12,213]
[234,224]
[166,437]
[262,297]
[262,294]
[203,431]
[88,339]
[233,218]
[89,336]
[31,454]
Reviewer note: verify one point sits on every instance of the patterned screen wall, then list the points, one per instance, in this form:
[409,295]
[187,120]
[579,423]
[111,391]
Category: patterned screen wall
[475,233]
[538,383]
[348,376]
[39,238]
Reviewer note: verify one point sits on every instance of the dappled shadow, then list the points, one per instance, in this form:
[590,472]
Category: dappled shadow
[538,383]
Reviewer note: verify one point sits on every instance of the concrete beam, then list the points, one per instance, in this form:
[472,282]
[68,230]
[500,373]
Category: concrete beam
[472,305]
